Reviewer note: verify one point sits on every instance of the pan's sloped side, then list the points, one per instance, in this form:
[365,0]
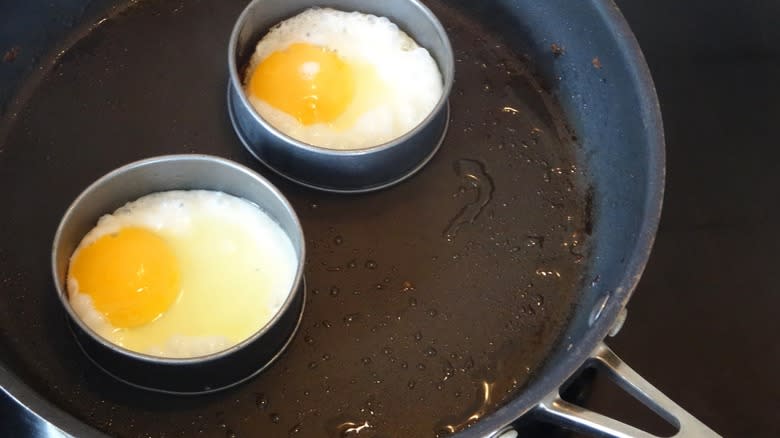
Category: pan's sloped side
[26,51]
[26,55]
[587,56]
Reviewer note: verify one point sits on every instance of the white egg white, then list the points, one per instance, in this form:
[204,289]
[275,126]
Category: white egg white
[410,81]
[237,267]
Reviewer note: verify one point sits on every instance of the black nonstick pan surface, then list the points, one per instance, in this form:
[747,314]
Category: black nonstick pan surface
[430,304]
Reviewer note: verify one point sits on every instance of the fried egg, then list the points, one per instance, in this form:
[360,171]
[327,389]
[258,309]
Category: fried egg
[342,80]
[181,273]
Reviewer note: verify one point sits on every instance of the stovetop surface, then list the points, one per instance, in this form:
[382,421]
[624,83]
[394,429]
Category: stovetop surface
[707,303]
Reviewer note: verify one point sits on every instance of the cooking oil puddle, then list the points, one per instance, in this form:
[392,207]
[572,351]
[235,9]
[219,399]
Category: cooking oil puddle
[492,385]
[476,178]
[346,426]
[482,402]
[350,429]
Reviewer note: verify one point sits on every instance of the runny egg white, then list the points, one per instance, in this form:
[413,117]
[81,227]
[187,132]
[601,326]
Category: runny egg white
[342,80]
[181,273]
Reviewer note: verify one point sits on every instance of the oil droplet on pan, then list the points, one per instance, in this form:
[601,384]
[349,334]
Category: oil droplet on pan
[473,173]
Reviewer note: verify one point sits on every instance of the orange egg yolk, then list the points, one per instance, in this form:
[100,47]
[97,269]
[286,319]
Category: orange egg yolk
[311,83]
[132,276]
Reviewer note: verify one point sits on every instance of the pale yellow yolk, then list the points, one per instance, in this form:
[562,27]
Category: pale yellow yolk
[132,276]
[311,83]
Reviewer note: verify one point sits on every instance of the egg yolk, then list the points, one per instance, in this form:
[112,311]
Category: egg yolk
[311,83]
[132,276]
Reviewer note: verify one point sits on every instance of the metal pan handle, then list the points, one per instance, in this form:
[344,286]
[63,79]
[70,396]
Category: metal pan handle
[556,410]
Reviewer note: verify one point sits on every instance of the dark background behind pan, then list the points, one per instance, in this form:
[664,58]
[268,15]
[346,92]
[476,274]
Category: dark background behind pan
[702,323]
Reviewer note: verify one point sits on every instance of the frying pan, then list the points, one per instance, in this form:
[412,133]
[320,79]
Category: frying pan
[455,302]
